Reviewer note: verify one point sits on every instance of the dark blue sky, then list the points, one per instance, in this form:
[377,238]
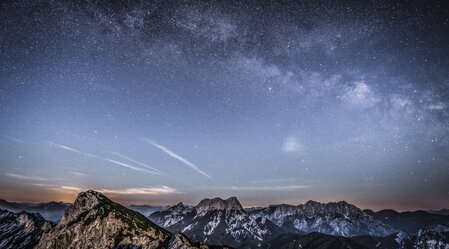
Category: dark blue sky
[165,101]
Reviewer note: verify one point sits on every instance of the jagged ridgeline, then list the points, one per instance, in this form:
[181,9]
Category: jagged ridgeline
[218,221]
[21,230]
[310,225]
[94,221]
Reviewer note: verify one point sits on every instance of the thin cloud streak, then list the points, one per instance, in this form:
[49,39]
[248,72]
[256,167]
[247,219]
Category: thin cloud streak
[77,173]
[13,139]
[130,166]
[263,188]
[177,157]
[139,163]
[72,188]
[43,184]
[68,148]
[157,190]
[162,190]
[274,180]
[23,177]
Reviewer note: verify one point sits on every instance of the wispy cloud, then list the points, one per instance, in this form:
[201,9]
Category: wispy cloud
[24,177]
[130,166]
[122,164]
[139,163]
[292,145]
[160,190]
[157,190]
[263,188]
[68,148]
[77,173]
[177,157]
[274,180]
[71,188]
[17,140]
[43,184]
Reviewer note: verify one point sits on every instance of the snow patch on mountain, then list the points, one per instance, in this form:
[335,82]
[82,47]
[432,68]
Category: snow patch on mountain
[339,218]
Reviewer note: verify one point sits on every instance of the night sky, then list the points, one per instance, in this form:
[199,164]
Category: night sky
[163,101]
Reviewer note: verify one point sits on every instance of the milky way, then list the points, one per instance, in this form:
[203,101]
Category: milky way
[282,102]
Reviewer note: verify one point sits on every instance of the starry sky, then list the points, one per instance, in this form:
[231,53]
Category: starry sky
[157,102]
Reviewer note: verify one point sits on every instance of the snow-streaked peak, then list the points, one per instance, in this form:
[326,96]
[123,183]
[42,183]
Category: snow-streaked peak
[335,218]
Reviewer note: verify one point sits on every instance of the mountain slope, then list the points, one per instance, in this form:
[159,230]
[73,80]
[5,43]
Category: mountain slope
[409,222]
[341,219]
[443,211]
[325,241]
[94,221]
[21,230]
[425,239]
[217,221]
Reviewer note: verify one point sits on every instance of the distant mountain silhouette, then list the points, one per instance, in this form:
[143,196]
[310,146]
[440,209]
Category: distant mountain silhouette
[409,222]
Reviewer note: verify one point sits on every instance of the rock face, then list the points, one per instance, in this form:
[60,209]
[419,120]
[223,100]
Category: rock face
[217,221]
[425,239]
[207,205]
[21,230]
[94,221]
[338,218]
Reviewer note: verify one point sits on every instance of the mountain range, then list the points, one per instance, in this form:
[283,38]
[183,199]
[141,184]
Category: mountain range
[218,221]
[335,218]
[53,211]
[94,221]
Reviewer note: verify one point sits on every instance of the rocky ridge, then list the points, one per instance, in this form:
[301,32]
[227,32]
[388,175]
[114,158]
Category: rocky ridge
[94,221]
[334,218]
[21,230]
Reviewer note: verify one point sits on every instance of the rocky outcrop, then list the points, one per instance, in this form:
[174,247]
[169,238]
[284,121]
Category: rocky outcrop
[217,221]
[425,239]
[334,218]
[207,205]
[21,230]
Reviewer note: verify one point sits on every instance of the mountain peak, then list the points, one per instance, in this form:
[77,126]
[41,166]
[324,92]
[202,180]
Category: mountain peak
[102,223]
[87,200]
[312,203]
[217,203]
[344,203]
